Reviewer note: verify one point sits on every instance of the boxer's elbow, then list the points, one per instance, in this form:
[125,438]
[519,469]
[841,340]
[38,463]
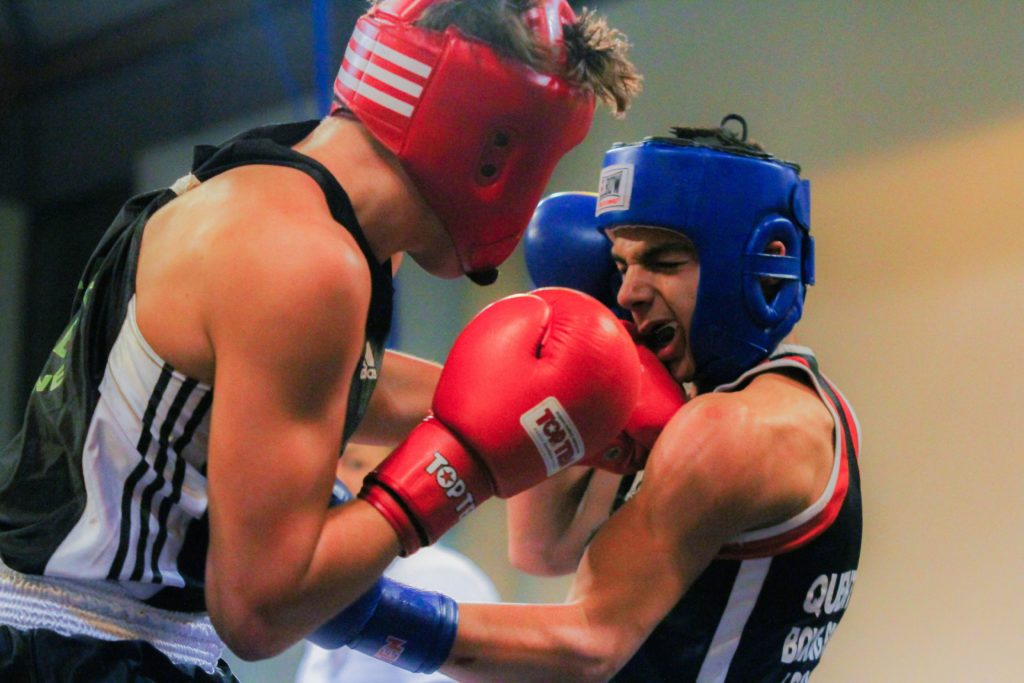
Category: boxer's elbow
[545,554]
[593,662]
[248,627]
[542,560]
[252,637]
[595,653]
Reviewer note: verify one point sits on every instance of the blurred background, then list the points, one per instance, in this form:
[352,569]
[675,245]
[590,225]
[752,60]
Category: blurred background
[908,117]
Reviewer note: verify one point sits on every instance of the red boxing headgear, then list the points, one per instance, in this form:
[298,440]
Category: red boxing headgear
[478,133]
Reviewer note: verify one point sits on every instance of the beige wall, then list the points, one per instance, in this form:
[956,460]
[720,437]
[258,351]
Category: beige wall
[918,315]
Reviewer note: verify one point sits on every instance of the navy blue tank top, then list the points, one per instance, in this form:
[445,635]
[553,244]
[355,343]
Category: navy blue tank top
[765,608]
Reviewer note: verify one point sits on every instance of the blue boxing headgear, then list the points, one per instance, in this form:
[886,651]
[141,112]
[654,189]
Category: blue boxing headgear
[563,249]
[731,200]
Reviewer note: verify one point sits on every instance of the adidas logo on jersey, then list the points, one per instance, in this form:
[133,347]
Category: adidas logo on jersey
[368,369]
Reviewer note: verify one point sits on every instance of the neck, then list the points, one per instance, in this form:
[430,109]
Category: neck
[388,207]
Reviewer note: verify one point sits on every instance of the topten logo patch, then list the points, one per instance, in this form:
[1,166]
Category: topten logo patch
[553,433]
[615,188]
[391,650]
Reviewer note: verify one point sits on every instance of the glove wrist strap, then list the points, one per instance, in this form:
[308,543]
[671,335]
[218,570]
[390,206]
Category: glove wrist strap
[407,627]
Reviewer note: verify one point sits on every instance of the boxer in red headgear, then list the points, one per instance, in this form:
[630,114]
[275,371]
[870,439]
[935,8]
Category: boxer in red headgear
[408,84]
[169,492]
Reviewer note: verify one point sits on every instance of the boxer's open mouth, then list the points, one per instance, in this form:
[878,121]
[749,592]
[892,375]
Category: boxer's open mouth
[660,336]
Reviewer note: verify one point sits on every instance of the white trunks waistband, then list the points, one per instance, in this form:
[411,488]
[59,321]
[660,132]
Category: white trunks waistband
[104,610]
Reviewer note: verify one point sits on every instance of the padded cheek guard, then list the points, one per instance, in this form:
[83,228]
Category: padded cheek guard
[563,249]
[478,134]
[731,206]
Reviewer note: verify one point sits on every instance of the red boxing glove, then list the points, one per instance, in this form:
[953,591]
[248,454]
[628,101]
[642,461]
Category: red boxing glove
[532,383]
[659,398]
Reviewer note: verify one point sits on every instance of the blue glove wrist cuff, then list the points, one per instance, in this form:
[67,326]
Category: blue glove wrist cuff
[346,625]
[411,628]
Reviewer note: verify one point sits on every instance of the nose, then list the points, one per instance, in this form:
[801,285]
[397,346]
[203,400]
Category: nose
[636,291]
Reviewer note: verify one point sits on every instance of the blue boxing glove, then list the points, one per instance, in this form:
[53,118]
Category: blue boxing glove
[410,628]
[564,248]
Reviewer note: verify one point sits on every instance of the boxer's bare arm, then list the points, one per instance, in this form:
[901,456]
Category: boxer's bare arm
[724,464]
[400,401]
[550,524]
[280,293]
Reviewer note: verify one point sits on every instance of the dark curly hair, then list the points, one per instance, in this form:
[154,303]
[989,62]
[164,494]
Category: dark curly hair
[726,139]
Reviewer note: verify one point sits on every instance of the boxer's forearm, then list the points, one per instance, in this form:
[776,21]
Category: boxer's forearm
[530,643]
[541,521]
[400,400]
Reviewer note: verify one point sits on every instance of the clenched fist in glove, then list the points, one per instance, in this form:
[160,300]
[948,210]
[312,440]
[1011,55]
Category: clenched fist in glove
[564,248]
[659,398]
[533,383]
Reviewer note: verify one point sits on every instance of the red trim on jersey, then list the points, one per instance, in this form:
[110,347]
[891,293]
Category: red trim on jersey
[815,526]
[851,421]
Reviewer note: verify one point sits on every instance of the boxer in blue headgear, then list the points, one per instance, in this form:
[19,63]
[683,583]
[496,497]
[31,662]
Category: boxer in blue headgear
[734,560]
[748,217]
[746,213]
